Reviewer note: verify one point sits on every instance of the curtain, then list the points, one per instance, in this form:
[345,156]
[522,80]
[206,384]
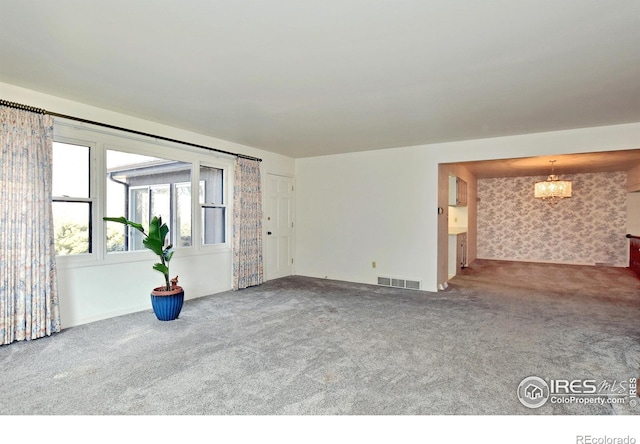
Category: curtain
[28,286]
[247,225]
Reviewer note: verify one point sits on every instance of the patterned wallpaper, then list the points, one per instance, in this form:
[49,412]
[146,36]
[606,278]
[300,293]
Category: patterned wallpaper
[587,228]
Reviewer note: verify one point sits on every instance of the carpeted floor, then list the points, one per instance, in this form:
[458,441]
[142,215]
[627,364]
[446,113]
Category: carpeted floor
[304,346]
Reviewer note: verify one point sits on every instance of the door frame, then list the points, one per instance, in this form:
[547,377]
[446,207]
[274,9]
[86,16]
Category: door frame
[265,199]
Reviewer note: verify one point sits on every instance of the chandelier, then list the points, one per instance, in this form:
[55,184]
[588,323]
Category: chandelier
[553,190]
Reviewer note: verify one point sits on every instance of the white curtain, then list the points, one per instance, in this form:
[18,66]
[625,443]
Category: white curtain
[247,224]
[28,286]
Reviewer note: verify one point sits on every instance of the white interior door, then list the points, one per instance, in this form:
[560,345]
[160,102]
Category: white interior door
[279,227]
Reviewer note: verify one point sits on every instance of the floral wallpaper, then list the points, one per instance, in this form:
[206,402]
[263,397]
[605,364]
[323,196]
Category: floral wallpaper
[588,228]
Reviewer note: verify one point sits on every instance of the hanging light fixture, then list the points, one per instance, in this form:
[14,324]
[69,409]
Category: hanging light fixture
[553,190]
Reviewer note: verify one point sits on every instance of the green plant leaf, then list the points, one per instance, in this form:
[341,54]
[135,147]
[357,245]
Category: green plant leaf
[161,268]
[154,245]
[164,230]
[158,230]
[124,221]
[154,227]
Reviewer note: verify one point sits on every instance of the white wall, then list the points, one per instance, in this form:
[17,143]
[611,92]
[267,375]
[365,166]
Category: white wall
[357,208]
[106,288]
[382,205]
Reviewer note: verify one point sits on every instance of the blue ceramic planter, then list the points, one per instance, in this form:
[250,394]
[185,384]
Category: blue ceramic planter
[167,304]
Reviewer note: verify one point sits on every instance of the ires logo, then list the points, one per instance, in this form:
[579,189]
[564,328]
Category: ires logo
[575,387]
[534,392]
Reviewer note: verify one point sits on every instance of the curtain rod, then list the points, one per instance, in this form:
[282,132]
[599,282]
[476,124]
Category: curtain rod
[106,125]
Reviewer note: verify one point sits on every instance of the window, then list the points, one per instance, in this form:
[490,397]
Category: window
[98,174]
[182,198]
[212,205]
[140,187]
[72,202]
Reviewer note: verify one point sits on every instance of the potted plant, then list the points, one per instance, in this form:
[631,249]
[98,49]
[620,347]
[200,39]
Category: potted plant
[166,300]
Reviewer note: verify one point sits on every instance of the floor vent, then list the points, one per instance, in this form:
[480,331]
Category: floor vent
[412,285]
[399,283]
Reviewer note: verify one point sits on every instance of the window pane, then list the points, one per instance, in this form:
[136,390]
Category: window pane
[70,170]
[183,214]
[139,187]
[213,225]
[138,212]
[161,204]
[213,185]
[212,195]
[71,227]
[116,234]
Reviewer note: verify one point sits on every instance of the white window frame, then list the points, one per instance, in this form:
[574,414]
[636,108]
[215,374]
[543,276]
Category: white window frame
[92,200]
[227,200]
[99,142]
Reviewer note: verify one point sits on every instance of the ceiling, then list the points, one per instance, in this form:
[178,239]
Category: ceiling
[564,164]
[315,78]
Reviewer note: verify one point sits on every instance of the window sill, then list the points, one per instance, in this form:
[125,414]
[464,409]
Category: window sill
[92,260]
